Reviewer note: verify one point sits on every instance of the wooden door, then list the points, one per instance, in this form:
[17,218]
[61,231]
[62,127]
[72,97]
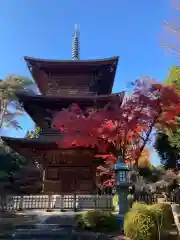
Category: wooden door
[76,179]
[67,176]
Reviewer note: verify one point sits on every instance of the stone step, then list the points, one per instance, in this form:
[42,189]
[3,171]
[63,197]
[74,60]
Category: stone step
[41,226]
[49,234]
[37,233]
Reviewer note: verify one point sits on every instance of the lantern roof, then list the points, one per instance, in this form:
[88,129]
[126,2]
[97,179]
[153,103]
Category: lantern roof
[121,165]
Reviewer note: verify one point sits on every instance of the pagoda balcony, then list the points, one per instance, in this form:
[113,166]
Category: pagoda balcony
[42,108]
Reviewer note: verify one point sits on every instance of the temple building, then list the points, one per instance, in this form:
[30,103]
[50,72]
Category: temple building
[88,83]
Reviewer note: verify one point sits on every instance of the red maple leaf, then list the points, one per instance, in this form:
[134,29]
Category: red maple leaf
[120,130]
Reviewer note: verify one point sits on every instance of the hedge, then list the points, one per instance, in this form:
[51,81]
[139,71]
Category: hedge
[144,221]
[137,206]
[97,220]
[162,214]
[139,225]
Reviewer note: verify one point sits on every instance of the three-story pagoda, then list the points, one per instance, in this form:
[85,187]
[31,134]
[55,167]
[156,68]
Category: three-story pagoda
[88,83]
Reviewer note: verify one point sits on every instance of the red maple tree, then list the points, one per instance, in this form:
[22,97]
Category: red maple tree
[120,129]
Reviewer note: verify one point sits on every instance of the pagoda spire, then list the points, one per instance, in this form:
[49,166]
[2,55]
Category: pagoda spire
[76,44]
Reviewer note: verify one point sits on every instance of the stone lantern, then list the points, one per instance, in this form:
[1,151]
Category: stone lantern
[122,185]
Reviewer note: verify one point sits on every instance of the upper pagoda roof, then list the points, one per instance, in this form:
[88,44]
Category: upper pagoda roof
[52,76]
[41,108]
[48,63]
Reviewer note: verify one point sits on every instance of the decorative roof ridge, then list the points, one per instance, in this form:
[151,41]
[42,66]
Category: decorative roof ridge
[28,59]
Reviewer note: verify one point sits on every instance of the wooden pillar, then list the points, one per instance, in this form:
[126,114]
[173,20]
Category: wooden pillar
[43,179]
[94,178]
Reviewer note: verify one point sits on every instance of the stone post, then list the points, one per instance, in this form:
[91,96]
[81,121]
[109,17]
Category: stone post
[123,202]
[122,185]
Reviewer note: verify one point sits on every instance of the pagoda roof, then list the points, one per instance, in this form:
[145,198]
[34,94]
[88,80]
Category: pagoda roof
[36,143]
[18,143]
[41,107]
[68,63]
[33,148]
[43,69]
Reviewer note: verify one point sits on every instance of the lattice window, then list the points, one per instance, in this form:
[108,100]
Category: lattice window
[122,176]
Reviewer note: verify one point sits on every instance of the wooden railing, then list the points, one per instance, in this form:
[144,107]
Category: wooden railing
[71,202]
[147,198]
[56,202]
[156,197]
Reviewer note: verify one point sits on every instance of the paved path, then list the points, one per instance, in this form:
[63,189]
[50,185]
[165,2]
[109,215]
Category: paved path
[54,225]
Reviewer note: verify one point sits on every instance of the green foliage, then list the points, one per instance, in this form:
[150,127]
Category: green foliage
[169,155]
[137,206]
[115,203]
[145,172]
[147,221]
[130,199]
[174,138]
[12,83]
[33,134]
[152,174]
[10,164]
[173,77]
[168,143]
[97,220]
[10,107]
[162,212]
[139,225]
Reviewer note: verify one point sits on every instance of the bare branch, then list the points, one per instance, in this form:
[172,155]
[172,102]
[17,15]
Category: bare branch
[172,30]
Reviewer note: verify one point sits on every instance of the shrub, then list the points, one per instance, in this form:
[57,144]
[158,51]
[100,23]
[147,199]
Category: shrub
[139,225]
[158,216]
[137,206]
[97,220]
[79,221]
[130,199]
[162,213]
[115,203]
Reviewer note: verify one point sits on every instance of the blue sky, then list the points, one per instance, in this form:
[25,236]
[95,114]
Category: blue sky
[132,30]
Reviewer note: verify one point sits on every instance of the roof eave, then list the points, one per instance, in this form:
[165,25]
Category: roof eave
[22,96]
[37,61]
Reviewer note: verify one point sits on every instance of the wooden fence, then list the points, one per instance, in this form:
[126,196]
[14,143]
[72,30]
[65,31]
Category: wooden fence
[72,202]
[155,198]
[56,202]
[147,198]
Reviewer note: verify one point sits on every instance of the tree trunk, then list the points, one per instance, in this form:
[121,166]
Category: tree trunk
[3,111]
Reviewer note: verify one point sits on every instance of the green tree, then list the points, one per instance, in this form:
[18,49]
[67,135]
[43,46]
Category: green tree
[173,77]
[169,155]
[10,108]
[10,164]
[18,175]
[167,143]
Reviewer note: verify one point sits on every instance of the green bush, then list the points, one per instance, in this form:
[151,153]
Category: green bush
[98,220]
[158,217]
[115,203]
[137,206]
[139,225]
[130,199]
[162,214]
